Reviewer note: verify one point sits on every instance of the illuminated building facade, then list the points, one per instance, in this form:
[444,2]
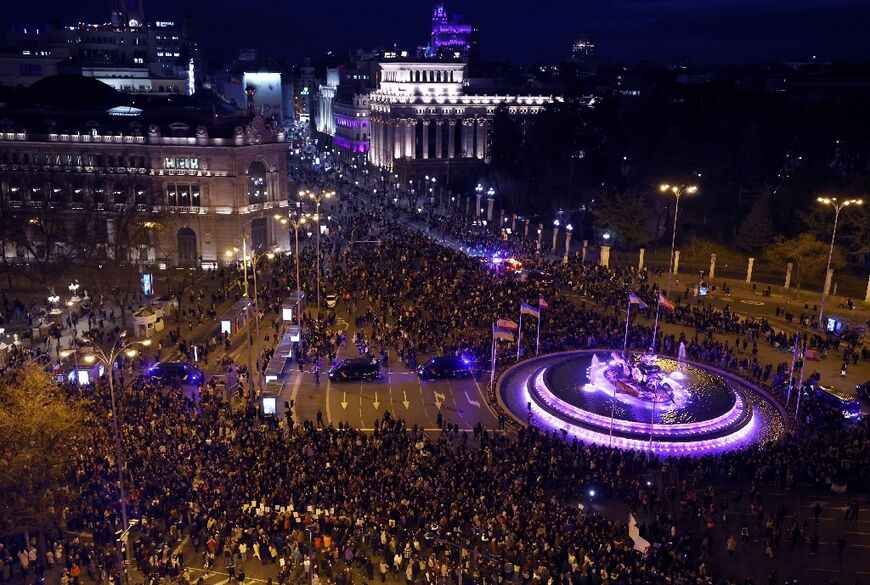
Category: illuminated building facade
[352,126]
[449,37]
[423,121]
[129,54]
[204,177]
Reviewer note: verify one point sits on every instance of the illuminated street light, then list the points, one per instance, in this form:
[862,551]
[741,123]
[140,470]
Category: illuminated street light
[838,207]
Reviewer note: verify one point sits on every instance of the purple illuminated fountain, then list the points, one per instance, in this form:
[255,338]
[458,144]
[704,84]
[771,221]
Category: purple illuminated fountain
[640,402]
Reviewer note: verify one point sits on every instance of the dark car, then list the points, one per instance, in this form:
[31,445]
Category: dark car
[863,390]
[362,368]
[838,401]
[181,372]
[450,366]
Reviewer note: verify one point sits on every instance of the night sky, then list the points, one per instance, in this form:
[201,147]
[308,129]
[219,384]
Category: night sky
[626,31]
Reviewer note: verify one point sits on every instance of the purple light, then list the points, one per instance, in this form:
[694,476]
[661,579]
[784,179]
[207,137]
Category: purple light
[525,385]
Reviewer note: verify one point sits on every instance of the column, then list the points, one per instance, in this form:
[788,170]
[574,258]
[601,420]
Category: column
[439,136]
[513,223]
[489,203]
[540,235]
[555,235]
[410,143]
[605,256]
[585,245]
[567,247]
[867,294]
[501,219]
[526,234]
[829,277]
[425,139]
[712,274]
[640,259]
[788,268]
[477,205]
[467,138]
[749,270]
[375,142]
[451,138]
[481,138]
[676,261]
[398,139]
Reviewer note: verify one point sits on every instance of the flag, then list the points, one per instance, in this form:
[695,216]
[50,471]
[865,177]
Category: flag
[633,299]
[666,303]
[499,333]
[542,303]
[527,309]
[507,324]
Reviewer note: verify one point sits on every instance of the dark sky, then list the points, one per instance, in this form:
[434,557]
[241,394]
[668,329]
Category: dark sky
[700,31]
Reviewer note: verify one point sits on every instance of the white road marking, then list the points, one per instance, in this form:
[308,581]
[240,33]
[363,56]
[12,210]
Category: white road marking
[470,401]
[405,400]
[344,401]
[439,399]
[375,402]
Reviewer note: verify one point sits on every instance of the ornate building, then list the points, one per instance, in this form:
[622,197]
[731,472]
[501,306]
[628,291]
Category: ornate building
[83,155]
[424,121]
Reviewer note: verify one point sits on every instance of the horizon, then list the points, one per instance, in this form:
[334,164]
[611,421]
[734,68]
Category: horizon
[717,32]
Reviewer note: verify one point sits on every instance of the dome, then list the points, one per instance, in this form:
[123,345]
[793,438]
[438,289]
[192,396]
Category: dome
[69,92]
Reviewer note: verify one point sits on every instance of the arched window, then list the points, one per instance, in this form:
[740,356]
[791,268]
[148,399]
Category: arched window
[186,241]
[256,183]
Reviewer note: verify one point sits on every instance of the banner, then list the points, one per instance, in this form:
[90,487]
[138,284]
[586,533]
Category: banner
[542,303]
[499,333]
[633,299]
[527,309]
[507,324]
[666,303]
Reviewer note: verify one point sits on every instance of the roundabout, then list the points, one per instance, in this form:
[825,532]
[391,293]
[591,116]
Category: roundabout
[640,402]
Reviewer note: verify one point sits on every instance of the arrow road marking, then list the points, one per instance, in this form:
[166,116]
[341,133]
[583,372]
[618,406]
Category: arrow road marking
[439,400]
[344,401]
[375,402]
[472,402]
[405,400]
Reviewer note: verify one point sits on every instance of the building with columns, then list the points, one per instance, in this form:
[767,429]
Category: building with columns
[425,121]
[76,154]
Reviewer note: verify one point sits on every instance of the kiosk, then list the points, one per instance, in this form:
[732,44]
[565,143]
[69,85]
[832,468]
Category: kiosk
[233,320]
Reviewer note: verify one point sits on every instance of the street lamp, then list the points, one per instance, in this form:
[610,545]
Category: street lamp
[838,207]
[317,197]
[678,191]
[556,224]
[108,360]
[478,191]
[568,230]
[270,254]
[293,221]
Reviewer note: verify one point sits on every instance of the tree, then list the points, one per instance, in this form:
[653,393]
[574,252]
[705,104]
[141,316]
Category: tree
[756,231]
[626,215]
[41,430]
[806,253]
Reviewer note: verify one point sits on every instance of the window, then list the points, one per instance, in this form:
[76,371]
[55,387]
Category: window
[256,183]
[182,195]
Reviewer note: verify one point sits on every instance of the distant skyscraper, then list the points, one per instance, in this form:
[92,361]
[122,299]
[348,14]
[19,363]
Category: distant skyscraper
[583,54]
[450,37]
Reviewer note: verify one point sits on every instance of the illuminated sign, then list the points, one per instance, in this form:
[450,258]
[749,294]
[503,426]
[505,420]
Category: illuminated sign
[147,284]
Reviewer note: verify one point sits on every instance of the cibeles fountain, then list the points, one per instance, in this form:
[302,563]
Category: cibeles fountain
[640,401]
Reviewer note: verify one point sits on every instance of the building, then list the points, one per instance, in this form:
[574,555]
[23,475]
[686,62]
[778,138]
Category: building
[424,122]
[352,126]
[127,53]
[91,158]
[325,118]
[449,38]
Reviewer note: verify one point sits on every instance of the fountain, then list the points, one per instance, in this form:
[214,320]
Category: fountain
[640,402]
[681,353]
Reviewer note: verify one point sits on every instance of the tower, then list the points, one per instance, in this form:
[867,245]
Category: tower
[128,13]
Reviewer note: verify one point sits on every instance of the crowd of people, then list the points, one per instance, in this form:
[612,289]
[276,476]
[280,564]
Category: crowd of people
[217,489]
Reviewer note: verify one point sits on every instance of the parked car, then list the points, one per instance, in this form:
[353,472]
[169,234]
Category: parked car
[362,368]
[863,390]
[837,400]
[450,366]
[181,372]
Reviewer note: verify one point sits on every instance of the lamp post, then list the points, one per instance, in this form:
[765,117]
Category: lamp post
[838,207]
[478,192]
[678,191]
[490,200]
[108,360]
[295,222]
[556,224]
[568,229]
[254,259]
[317,197]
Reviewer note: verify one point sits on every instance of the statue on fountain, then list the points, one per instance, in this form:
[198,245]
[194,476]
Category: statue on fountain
[638,376]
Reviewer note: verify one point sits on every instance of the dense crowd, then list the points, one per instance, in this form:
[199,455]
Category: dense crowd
[333,505]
